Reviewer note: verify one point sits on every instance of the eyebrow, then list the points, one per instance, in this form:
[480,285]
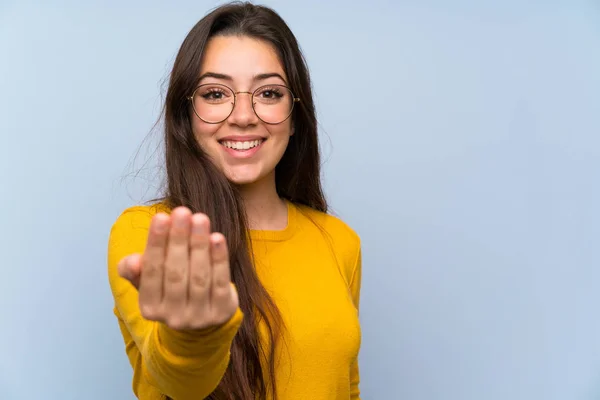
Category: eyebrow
[259,77]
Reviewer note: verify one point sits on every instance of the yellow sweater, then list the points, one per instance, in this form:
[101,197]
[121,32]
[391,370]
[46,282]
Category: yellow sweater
[312,269]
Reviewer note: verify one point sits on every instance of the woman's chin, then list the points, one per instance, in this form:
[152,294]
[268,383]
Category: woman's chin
[242,176]
[242,182]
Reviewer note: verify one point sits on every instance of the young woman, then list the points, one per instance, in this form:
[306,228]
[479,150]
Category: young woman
[237,284]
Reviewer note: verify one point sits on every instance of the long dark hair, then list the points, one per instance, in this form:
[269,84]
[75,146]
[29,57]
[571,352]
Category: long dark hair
[192,180]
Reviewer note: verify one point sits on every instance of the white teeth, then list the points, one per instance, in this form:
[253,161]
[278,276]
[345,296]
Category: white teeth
[242,145]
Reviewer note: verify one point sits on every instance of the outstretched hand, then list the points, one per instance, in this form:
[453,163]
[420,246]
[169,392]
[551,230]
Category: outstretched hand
[183,277]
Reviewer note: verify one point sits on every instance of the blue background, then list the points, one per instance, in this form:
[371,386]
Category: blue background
[460,139]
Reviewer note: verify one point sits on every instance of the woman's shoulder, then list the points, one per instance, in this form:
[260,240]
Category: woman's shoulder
[341,239]
[139,216]
[340,232]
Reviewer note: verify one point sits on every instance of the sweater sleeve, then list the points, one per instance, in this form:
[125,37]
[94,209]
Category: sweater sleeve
[180,364]
[355,284]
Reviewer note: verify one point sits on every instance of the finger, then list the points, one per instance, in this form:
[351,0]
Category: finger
[200,269]
[151,277]
[221,290]
[177,261]
[130,268]
[234,295]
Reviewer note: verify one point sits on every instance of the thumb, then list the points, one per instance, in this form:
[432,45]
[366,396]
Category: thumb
[130,268]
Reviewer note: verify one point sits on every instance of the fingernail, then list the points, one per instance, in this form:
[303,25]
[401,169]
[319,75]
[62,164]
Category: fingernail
[180,220]
[160,223]
[161,226]
[199,224]
[219,244]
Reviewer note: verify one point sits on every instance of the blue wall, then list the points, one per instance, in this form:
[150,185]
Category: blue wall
[461,140]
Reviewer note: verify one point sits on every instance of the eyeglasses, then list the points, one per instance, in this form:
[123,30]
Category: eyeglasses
[213,103]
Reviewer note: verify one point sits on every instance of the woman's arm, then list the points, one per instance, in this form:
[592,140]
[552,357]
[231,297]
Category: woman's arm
[180,364]
[355,290]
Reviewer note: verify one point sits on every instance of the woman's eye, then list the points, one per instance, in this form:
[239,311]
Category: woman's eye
[213,96]
[270,93]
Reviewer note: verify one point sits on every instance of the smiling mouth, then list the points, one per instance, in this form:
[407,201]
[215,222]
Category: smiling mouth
[241,145]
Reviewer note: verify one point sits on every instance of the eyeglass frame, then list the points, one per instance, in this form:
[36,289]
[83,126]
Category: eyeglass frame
[294,100]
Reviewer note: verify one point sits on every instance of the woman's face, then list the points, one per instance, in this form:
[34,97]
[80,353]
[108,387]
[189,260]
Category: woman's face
[243,146]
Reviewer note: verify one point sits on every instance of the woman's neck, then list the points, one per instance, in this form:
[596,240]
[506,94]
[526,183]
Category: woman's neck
[265,210]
